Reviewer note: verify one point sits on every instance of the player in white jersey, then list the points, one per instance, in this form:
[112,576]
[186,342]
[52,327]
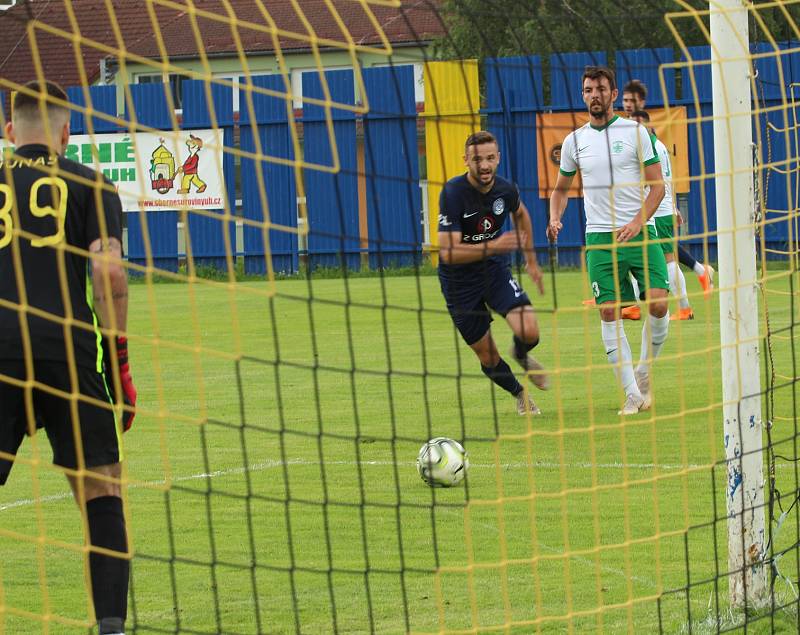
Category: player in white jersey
[616,159]
[634,97]
[668,218]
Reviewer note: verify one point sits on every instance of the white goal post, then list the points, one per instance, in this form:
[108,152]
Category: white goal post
[731,74]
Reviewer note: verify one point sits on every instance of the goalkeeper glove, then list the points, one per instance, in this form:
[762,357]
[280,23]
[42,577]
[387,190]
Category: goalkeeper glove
[126,382]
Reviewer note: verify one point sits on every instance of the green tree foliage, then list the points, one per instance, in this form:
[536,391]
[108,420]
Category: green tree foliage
[499,28]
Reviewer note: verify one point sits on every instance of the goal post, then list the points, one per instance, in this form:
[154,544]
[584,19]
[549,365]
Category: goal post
[738,302]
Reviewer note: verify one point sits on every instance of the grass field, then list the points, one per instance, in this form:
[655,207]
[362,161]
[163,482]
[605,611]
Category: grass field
[273,486]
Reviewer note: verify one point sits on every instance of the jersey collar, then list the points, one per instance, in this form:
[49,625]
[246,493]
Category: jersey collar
[32,148]
[605,125]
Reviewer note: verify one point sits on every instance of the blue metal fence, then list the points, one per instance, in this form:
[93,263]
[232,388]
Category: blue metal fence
[210,240]
[156,229]
[269,192]
[103,99]
[332,198]
[373,207]
[392,168]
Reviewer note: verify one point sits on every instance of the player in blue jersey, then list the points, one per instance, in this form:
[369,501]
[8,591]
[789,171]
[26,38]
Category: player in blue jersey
[475,266]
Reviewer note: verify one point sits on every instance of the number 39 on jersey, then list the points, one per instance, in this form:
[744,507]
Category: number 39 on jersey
[58,209]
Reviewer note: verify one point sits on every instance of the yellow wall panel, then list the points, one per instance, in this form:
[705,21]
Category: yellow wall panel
[452,102]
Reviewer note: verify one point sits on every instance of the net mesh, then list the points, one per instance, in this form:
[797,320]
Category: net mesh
[292,349]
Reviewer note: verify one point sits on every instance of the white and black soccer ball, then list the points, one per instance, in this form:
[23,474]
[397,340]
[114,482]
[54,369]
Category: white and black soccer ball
[442,462]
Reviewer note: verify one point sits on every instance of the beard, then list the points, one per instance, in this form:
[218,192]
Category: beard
[598,110]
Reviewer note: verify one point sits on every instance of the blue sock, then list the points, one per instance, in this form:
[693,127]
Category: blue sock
[503,377]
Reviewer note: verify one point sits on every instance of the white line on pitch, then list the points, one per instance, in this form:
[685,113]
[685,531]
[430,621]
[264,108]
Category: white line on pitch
[271,464]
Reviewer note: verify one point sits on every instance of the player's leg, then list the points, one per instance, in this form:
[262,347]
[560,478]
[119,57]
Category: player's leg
[665,229]
[608,278]
[472,319]
[101,501]
[506,297]
[13,420]
[96,485]
[498,370]
[677,287]
[634,311]
[525,327]
[650,267]
[705,273]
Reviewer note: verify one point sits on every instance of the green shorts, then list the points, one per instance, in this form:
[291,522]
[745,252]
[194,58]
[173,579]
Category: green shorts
[665,228]
[608,268]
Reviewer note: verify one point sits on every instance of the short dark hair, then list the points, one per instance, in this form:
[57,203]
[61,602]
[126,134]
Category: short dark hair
[637,87]
[641,114]
[28,105]
[478,138]
[597,72]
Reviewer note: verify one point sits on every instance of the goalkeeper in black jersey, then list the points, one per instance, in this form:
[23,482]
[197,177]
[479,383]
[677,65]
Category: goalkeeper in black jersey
[57,216]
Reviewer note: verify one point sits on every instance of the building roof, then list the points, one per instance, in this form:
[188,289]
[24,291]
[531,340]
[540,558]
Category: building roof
[50,26]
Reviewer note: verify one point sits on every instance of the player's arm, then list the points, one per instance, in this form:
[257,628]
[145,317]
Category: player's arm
[453,251]
[558,203]
[522,223]
[110,294]
[109,284]
[653,178]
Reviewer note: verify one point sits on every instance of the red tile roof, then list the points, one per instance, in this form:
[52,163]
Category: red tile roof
[142,31]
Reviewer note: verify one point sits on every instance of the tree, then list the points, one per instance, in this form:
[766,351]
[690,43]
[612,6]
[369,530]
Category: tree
[499,28]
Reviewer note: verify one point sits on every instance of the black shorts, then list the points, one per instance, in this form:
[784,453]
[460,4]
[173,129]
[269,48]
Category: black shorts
[469,302]
[99,432]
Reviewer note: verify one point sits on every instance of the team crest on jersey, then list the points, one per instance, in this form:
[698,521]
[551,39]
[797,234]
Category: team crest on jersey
[616,147]
[499,206]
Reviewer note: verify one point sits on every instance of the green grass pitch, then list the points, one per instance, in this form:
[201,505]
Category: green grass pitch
[273,485]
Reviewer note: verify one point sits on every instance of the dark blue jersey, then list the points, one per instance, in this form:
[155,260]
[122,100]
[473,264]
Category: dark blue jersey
[478,217]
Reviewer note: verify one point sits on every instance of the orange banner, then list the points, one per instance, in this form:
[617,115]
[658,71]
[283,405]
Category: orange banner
[552,128]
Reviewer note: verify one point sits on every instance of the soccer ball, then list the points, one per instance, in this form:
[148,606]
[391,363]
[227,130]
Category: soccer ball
[442,462]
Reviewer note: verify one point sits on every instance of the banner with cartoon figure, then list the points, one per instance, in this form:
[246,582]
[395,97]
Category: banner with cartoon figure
[157,171]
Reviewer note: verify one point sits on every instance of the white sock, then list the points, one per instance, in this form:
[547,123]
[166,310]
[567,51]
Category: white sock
[653,341]
[677,284]
[699,268]
[618,348]
[635,286]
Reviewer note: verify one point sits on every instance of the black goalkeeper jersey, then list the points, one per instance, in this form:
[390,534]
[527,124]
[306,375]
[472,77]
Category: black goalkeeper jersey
[54,207]
[478,217]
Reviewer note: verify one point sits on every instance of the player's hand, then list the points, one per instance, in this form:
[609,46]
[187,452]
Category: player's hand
[553,227]
[631,230]
[125,381]
[535,272]
[509,241]
[679,220]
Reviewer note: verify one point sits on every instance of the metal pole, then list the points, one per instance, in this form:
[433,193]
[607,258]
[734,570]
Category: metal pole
[731,73]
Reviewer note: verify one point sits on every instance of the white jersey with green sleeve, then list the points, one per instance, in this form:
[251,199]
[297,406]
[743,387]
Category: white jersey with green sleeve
[611,159]
[665,208]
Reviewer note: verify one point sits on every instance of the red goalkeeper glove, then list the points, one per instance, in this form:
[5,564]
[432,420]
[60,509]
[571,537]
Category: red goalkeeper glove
[126,382]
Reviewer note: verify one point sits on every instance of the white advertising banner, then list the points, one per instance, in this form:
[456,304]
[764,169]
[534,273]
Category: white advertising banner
[157,171]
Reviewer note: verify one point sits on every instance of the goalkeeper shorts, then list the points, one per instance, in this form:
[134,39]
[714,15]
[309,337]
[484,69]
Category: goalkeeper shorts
[99,432]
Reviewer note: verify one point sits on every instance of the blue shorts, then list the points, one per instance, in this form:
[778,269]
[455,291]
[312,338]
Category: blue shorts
[469,302]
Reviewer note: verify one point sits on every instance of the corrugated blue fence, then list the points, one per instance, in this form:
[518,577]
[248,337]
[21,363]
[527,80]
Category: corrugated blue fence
[269,188]
[372,204]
